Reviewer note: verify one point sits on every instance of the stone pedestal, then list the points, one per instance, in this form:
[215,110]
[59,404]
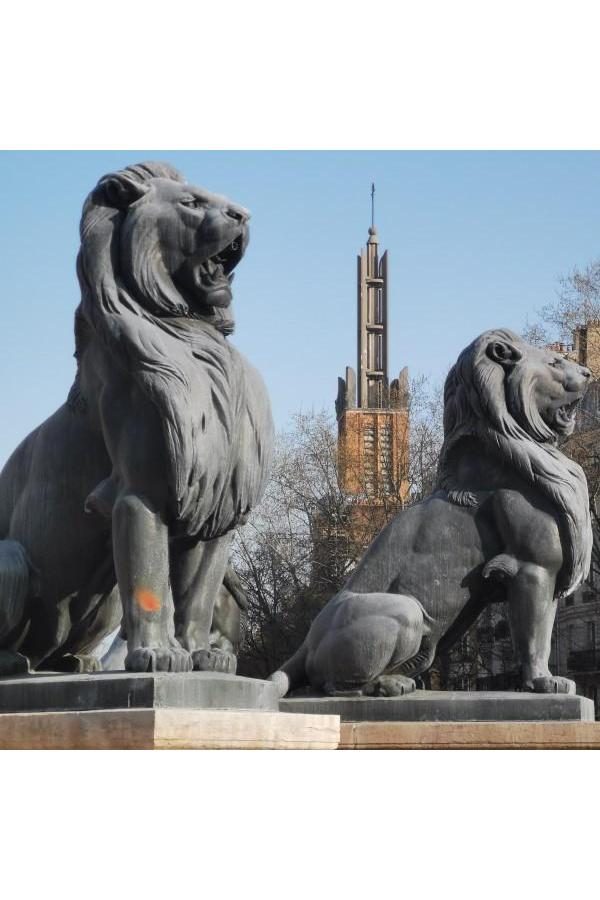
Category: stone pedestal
[137,711]
[168,729]
[449,706]
[470,736]
[135,690]
[458,720]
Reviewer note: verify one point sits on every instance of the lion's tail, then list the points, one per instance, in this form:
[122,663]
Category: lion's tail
[292,673]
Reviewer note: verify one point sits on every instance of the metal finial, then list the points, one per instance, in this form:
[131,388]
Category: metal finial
[372,204]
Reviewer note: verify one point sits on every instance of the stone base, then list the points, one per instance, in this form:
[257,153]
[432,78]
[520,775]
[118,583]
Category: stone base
[167,729]
[153,711]
[470,736]
[135,690]
[449,706]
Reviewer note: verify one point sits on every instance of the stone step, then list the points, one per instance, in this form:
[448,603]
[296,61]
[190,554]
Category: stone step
[135,690]
[470,736]
[167,729]
[449,706]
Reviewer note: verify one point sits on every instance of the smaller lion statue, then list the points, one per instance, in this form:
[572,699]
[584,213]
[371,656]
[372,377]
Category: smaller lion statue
[509,520]
[120,507]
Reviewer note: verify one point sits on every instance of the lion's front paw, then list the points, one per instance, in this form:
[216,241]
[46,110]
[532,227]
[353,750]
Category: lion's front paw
[13,663]
[214,660]
[390,686]
[158,659]
[553,684]
[73,662]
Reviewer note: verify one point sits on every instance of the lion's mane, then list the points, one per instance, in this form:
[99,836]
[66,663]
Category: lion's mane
[479,404]
[203,388]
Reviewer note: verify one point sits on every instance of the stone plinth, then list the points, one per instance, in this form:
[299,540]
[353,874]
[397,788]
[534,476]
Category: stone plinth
[167,729]
[154,711]
[470,736]
[449,706]
[136,690]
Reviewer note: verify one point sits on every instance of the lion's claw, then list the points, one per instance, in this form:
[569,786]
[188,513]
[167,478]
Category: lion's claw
[214,660]
[390,686]
[553,684]
[158,659]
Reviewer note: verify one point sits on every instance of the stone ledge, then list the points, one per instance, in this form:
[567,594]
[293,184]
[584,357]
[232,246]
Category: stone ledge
[135,690]
[167,729]
[449,706]
[470,736]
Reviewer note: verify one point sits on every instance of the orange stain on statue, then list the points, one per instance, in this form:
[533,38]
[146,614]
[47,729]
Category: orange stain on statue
[146,600]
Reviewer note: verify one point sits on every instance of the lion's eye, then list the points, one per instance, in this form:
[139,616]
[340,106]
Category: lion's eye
[192,202]
[556,363]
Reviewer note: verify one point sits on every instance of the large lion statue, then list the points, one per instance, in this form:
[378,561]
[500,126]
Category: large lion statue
[121,506]
[509,520]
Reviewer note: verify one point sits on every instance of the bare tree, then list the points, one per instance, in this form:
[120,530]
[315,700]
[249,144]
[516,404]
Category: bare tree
[274,552]
[309,532]
[577,303]
[426,413]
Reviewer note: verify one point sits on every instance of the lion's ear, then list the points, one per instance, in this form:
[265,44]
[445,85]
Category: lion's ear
[119,190]
[504,353]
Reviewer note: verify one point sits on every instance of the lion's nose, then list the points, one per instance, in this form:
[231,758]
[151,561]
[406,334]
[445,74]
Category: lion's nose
[585,372]
[238,213]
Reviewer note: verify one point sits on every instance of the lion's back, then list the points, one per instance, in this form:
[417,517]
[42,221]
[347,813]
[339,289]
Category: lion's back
[433,551]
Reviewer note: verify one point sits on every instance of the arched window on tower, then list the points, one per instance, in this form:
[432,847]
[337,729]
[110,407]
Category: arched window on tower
[379,306]
[379,352]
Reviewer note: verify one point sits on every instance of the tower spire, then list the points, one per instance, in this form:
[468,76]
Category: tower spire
[372,412]
[372,204]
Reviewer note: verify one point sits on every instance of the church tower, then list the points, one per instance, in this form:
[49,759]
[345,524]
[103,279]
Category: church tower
[373,428]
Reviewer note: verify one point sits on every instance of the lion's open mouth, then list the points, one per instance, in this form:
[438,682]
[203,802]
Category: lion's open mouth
[220,266]
[564,417]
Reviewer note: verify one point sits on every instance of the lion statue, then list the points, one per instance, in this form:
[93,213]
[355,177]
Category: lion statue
[509,520]
[121,506]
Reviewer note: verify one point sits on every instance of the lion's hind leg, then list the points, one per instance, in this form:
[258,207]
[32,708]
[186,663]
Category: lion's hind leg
[14,591]
[371,636]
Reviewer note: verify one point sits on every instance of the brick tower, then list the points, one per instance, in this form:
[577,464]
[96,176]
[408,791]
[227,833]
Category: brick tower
[586,347]
[373,428]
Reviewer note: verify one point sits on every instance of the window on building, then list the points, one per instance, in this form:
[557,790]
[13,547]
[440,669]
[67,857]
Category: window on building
[370,351]
[369,459]
[379,306]
[591,635]
[379,352]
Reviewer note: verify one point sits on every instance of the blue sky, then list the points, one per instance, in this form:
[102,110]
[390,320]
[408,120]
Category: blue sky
[476,240]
